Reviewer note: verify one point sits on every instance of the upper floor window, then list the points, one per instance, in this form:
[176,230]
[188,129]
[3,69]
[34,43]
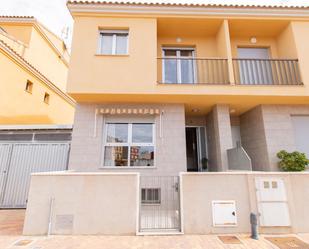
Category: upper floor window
[113,42]
[46,98]
[29,86]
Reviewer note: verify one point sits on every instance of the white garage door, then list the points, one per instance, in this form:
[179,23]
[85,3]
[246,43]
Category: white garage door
[19,160]
[301,133]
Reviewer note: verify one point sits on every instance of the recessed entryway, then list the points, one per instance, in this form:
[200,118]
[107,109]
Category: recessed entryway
[196,148]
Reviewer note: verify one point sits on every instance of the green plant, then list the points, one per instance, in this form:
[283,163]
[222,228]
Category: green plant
[293,161]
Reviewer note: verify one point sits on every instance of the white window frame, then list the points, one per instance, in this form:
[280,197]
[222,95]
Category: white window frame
[178,55]
[114,41]
[129,144]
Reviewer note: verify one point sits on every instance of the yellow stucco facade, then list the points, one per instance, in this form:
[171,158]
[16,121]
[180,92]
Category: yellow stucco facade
[31,53]
[212,32]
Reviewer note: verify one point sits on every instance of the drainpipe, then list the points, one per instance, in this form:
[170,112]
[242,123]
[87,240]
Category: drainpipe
[50,216]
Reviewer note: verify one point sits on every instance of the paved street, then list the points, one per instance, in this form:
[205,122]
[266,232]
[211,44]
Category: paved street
[136,242]
[11,222]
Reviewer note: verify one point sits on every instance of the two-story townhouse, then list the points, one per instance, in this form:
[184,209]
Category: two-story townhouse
[198,81]
[163,89]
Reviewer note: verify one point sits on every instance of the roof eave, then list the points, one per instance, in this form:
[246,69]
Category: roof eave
[165,9]
[18,19]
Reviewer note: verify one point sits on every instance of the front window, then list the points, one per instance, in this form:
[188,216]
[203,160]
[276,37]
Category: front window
[113,42]
[129,144]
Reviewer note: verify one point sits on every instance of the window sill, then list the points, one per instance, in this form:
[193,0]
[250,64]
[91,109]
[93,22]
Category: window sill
[127,167]
[112,55]
[27,91]
[151,204]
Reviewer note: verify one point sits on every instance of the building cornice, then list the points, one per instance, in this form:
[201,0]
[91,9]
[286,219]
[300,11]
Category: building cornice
[192,10]
[31,69]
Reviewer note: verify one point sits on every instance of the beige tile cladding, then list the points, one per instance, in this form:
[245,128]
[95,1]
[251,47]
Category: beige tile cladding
[267,129]
[219,137]
[253,138]
[86,149]
[279,131]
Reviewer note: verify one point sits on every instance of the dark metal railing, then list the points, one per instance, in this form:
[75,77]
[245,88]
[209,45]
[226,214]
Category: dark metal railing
[190,70]
[266,72]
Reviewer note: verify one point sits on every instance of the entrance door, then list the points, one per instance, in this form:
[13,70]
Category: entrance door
[196,148]
[159,204]
[178,65]
[255,68]
[191,144]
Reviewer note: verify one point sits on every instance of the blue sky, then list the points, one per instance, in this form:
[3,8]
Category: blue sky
[55,15]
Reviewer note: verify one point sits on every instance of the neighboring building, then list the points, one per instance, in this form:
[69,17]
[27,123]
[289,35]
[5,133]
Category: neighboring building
[163,89]
[34,66]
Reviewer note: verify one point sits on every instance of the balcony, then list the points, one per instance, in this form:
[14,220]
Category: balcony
[266,72]
[214,71]
[234,52]
[188,70]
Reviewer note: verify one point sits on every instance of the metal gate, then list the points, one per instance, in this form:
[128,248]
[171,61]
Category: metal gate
[19,160]
[159,204]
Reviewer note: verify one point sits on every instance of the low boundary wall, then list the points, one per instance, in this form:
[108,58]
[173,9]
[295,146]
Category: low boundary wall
[200,189]
[83,203]
[108,203]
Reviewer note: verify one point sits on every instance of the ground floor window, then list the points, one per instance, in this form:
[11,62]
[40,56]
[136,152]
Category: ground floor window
[129,144]
[151,195]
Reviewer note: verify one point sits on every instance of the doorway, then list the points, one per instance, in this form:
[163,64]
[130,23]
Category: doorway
[255,66]
[196,149]
[179,65]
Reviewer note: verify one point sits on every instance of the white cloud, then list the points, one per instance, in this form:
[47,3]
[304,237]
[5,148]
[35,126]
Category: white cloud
[52,13]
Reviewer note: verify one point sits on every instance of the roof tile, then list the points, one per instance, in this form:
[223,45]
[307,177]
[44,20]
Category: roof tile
[186,4]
